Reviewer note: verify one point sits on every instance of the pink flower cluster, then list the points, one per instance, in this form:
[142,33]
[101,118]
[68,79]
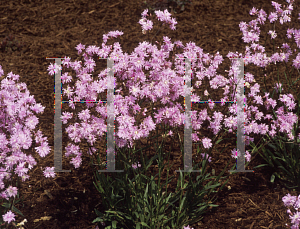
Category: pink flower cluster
[17,129]
[293,201]
[130,67]
[253,35]
[161,16]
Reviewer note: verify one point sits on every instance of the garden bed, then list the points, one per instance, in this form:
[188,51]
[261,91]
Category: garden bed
[55,28]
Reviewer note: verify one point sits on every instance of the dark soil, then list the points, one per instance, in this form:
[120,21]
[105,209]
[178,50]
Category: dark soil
[54,28]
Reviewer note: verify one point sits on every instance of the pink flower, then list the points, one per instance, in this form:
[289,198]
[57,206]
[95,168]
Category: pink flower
[80,47]
[49,172]
[77,161]
[21,170]
[144,14]
[207,157]
[253,11]
[187,227]
[53,68]
[9,216]
[296,61]
[247,156]
[12,191]
[235,153]
[43,149]
[135,165]
[273,17]
[206,143]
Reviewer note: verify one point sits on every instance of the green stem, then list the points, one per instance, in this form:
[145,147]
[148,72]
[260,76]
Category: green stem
[179,205]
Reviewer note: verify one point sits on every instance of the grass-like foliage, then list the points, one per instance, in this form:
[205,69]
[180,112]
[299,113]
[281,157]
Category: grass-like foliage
[133,199]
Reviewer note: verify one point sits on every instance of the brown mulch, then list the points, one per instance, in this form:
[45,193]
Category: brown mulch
[54,28]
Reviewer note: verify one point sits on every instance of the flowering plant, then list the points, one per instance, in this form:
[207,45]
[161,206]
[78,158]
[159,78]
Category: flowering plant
[135,200]
[17,122]
[171,114]
[127,106]
[292,201]
[166,86]
[282,147]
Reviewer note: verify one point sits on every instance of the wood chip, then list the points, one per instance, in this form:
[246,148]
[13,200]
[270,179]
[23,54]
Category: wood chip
[46,192]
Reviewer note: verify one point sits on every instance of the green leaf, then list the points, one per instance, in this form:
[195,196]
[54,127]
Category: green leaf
[144,224]
[272,178]
[161,217]
[271,145]
[181,204]
[98,219]
[258,166]
[219,140]
[138,226]
[146,191]
[114,224]
[17,211]
[212,186]
[6,205]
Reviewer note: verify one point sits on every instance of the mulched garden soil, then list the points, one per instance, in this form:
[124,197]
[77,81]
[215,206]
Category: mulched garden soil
[54,28]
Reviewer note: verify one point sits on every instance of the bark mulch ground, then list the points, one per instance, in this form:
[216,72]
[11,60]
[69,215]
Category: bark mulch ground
[53,29]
